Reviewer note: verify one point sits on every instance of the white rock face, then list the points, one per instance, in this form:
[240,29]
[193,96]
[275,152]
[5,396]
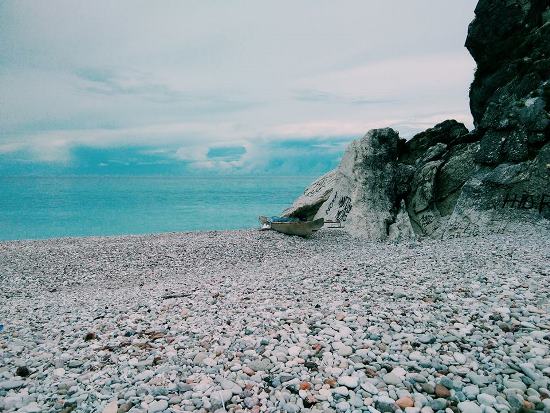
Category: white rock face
[314,195]
[362,194]
[363,198]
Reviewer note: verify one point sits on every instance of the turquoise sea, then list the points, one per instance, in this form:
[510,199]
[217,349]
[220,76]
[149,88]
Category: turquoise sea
[46,207]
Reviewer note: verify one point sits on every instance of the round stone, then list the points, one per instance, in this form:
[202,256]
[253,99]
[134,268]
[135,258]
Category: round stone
[294,351]
[471,392]
[343,406]
[404,402]
[391,378]
[438,404]
[369,387]
[469,407]
[60,372]
[350,382]
[459,358]
[111,407]
[22,371]
[486,399]
[157,406]
[345,351]
[442,391]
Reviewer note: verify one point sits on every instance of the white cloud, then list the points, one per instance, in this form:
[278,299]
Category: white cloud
[195,74]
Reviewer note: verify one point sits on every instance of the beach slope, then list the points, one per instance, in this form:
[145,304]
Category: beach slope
[258,321]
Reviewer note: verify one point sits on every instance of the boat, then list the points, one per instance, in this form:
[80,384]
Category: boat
[291,226]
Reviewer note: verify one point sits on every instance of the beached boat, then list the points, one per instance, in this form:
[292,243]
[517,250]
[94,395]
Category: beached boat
[291,226]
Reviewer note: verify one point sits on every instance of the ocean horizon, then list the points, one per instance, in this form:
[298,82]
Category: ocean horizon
[78,206]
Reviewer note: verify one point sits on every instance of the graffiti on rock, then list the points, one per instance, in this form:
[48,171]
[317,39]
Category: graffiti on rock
[526,201]
[344,207]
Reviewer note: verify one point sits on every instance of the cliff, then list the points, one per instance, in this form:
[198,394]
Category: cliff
[446,180]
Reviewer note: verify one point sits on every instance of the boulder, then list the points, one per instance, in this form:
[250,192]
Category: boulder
[365,197]
[510,103]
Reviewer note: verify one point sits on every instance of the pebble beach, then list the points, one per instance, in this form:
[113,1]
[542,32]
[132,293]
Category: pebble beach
[249,321]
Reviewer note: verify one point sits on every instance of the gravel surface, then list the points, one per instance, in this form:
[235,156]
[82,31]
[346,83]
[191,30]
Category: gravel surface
[258,321]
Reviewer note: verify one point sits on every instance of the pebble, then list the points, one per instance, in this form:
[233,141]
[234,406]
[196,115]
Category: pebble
[157,406]
[469,407]
[255,321]
[222,395]
[32,407]
[442,391]
[391,378]
[471,391]
[459,358]
[343,406]
[486,399]
[111,407]
[438,404]
[294,351]
[11,384]
[369,387]
[349,381]
[515,384]
[22,371]
[345,351]
[404,402]
[324,394]
[60,372]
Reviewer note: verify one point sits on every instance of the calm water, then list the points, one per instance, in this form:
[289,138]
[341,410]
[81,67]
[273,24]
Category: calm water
[33,207]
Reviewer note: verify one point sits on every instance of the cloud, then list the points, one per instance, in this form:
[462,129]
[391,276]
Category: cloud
[108,82]
[312,95]
[195,139]
[179,82]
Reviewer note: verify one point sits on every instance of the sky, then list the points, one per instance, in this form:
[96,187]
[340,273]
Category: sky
[133,87]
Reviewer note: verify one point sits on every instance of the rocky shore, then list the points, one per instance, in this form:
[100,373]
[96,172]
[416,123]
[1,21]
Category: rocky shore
[260,322]
[447,181]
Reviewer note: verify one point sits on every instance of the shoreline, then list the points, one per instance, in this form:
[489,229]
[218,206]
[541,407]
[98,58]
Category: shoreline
[261,322]
[144,235]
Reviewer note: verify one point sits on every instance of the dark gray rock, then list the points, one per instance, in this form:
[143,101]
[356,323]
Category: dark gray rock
[503,198]
[453,174]
[445,132]
[509,95]
[434,153]
[425,217]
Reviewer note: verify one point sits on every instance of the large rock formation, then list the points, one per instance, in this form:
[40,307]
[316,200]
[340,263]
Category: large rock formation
[447,181]
[509,100]
[363,192]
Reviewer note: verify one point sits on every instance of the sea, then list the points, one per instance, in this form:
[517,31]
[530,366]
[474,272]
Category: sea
[52,207]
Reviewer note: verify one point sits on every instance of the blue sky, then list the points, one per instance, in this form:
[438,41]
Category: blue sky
[202,87]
